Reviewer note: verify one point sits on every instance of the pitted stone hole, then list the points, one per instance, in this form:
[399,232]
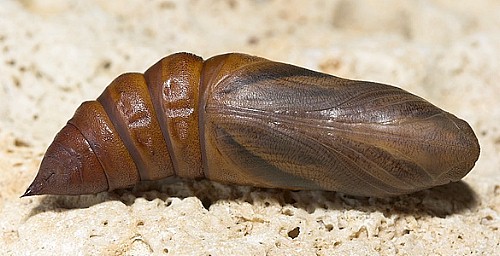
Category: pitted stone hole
[288,212]
[329,227]
[21,143]
[294,233]
[106,64]
[168,202]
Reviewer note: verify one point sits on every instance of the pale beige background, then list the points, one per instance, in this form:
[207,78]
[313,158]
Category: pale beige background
[55,54]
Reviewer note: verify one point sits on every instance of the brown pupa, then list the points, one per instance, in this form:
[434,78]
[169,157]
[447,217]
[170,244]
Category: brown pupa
[246,120]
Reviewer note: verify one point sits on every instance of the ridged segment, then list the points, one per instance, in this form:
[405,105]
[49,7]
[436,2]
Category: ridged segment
[173,85]
[128,104]
[93,122]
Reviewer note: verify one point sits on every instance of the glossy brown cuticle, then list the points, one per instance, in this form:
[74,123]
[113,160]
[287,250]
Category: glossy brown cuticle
[246,120]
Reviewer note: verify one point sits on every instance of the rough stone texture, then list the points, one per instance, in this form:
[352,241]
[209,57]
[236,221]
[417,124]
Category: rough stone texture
[55,54]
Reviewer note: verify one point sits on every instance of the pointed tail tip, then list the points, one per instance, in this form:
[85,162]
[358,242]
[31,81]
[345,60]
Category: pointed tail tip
[27,193]
[31,191]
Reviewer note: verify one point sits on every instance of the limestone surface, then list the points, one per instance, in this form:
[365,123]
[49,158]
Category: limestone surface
[56,54]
